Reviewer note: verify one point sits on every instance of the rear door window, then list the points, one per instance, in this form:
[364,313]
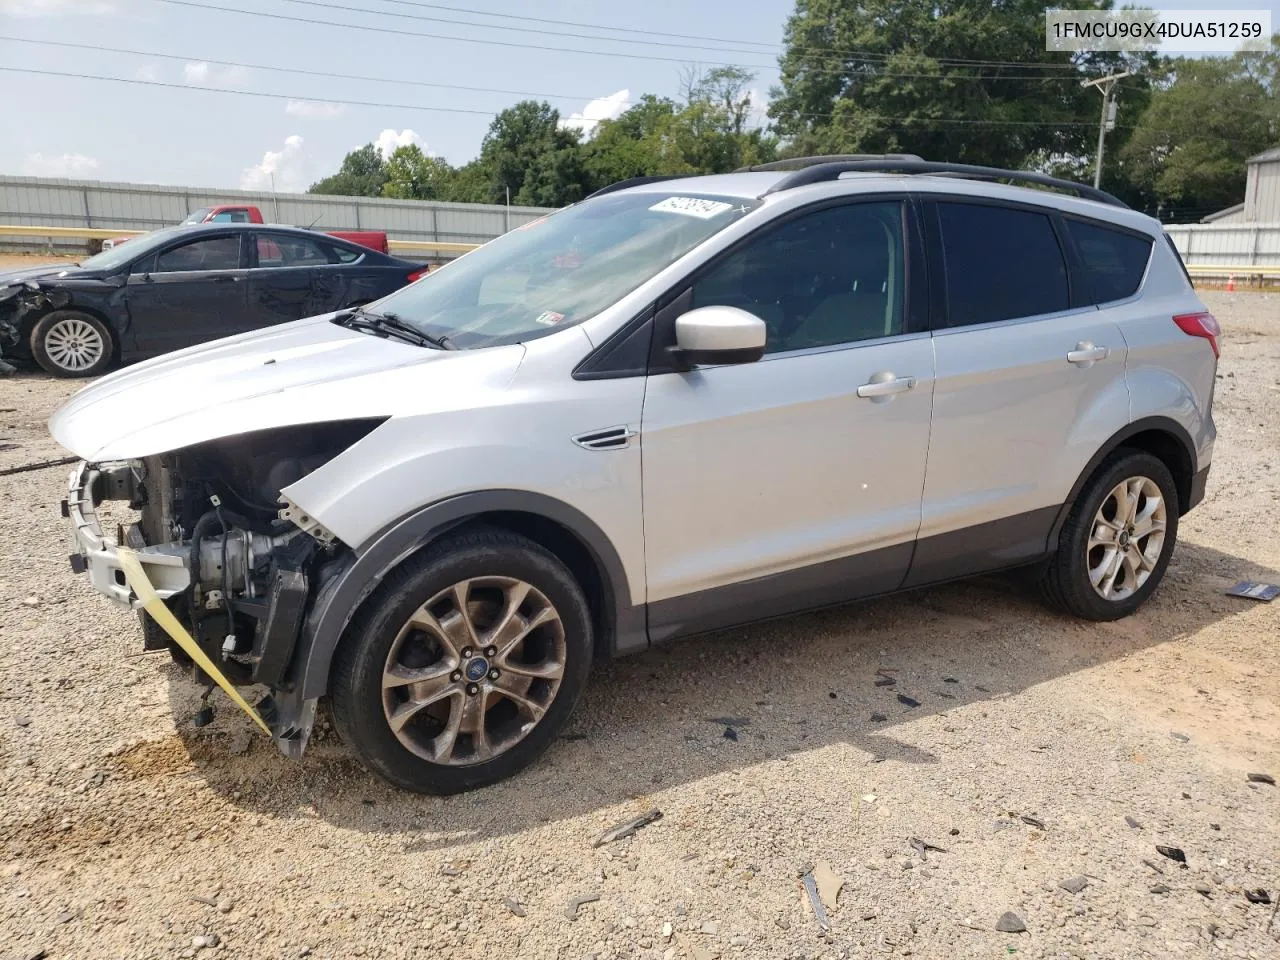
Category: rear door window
[1000,263]
[286,250]
[1114,260]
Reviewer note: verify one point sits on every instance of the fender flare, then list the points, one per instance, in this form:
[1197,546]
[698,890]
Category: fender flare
[1114,442]
[342,593]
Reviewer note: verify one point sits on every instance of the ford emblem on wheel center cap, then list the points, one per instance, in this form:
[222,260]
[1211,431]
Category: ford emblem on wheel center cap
[476,669]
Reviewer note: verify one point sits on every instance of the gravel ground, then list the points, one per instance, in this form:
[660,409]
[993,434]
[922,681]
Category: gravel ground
[128,832]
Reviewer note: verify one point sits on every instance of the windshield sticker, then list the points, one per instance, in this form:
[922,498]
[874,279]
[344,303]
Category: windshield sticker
[548,318]
[692,207]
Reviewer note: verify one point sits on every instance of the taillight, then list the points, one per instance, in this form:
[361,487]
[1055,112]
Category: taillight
[419,274]
[1200,325]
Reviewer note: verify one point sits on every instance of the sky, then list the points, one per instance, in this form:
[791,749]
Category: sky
[401,62]
[183,134]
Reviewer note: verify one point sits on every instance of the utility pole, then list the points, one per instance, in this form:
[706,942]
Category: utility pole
[1105,85]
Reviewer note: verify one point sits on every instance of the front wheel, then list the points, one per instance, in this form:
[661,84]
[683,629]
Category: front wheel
[464,665]
[1117,540]
[69,343]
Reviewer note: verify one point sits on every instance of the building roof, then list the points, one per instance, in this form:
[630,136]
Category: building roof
[1228,214]
[1266,156]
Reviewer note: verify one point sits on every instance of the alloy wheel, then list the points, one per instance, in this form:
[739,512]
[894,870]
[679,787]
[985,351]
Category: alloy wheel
[74,344]
[1126,538]
[473,670]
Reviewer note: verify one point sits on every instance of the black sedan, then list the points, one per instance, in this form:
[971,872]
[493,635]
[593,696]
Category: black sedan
[184,285]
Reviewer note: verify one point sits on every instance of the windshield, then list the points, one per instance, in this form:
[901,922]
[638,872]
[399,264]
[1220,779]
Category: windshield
[197,216]
[128,252]
[559,270]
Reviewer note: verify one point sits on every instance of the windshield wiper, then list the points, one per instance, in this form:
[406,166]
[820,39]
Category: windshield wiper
[391,324]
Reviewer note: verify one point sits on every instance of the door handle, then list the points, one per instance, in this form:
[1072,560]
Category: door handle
[882,385]
[225,279]
[1085,353]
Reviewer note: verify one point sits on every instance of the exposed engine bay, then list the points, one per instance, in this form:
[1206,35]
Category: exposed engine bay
[233,560]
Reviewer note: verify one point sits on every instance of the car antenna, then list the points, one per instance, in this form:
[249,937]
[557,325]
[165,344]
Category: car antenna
[314,222]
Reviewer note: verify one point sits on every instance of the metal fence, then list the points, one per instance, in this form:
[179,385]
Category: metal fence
[1228,245]
[39,201]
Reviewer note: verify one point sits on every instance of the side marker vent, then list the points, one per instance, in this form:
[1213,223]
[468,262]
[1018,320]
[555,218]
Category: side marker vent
[614,438]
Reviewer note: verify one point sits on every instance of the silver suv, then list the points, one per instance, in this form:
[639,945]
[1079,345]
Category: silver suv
[679,405]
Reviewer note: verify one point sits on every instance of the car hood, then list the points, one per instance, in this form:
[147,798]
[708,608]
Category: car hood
[309,371]
[46,271]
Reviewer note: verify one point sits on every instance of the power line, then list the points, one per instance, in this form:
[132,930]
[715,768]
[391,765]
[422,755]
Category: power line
[573,23]
[932,123]
[369,28]
[704,45]
[327,74]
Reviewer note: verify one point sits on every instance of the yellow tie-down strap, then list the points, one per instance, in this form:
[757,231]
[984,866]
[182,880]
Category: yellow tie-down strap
[151,602]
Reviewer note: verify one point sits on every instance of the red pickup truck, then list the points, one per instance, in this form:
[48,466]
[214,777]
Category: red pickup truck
[232,213]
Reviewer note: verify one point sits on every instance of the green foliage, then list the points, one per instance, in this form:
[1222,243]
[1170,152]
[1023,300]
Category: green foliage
[363,174]
[412,175]
[528,152]
[1203,123]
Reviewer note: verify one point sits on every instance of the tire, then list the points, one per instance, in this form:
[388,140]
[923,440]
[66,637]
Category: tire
[69,343]
[411,626]
[1127,576]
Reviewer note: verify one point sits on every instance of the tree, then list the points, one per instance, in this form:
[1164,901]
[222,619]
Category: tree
[528,152]
[946,79]
[363,174]
[1191,145]
[412,175]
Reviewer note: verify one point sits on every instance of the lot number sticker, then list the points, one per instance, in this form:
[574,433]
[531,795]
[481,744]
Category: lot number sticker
[692,207]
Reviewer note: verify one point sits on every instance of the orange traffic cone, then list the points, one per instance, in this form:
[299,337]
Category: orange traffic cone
[1231,283]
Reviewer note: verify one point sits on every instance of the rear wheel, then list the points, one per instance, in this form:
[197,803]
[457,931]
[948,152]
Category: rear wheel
[464,665]
[69,343]
[1117,541]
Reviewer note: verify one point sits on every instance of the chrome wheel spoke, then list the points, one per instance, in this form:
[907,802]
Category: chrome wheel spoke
[441,746]
[409,709]
[510,618]
[421,678]
[547,670]
[517,691]
[472,716]
[521,628]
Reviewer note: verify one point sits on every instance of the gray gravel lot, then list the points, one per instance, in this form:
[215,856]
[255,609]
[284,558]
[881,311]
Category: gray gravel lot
[127,832]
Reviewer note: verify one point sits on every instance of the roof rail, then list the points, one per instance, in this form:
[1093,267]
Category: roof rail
[822,172]
[635,182]
[799,163]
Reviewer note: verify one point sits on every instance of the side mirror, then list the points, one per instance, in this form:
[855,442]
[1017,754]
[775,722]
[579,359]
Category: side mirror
[716,335]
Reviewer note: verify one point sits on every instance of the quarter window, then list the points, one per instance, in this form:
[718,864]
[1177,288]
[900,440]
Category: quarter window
[1001,263]
[213,253]
[825,278]
[283,250]
[1114,261]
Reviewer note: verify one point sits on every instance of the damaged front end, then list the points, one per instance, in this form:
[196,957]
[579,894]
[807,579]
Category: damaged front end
[16,299]
[234,561]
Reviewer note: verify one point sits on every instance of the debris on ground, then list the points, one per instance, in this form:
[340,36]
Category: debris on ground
[731,734]
[1160,888]
[1252,590]
[1033,822]
[815,902]
[829,884]
[1074,884]
[22,721]
[1133,823]
[1010,922]
[1173,853]
[572,907]
[514,907]
[628,827]
[908,702]
[1257,896]
[1153,867]
[878,718]
[1262,778]
[1180,737]
[729,721]
[922,847]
